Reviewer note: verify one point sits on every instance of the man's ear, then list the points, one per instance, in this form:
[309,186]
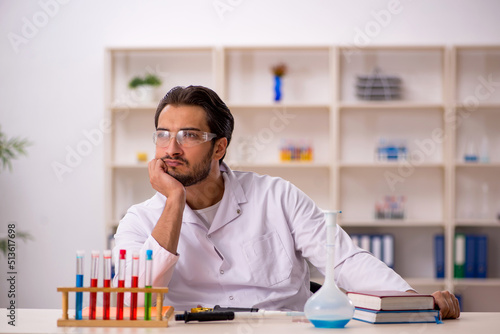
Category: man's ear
[220,148]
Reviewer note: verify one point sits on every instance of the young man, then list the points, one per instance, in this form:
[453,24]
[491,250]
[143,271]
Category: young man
[234,238]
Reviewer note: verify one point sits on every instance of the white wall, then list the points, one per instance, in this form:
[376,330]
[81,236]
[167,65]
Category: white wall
[52,92]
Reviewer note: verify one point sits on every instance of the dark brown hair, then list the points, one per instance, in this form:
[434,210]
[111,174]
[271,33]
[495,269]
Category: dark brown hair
[219,117]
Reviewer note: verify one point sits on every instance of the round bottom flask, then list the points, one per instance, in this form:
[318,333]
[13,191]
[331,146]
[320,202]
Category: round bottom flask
[329,307]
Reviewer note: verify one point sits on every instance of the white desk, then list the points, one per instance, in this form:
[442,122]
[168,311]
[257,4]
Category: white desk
[44,321]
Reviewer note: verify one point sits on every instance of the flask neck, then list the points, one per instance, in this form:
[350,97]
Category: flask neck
[330,255]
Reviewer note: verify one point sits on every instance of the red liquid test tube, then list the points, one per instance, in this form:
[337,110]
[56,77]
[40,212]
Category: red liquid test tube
[94,275]
[135,284]
[121,284]
[107,284]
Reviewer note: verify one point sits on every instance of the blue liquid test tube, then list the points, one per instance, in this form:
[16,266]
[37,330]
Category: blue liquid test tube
[79,284]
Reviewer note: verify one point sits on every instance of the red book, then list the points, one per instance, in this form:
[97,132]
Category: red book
[391,300]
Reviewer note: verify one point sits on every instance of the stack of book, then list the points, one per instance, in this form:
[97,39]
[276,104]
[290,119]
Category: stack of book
[393,307]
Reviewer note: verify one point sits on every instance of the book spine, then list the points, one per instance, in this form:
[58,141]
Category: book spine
[376,246]
[388,250]
[459,260]
[365,242]
[380,245]
[355,239]
[481,256]
[439,255]
[470,256]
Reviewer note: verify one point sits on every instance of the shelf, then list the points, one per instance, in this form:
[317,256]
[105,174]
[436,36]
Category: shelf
[117,107]
[477,165]
[391,223]
[439,115]
[279,165]
[398,48]
[480,106]
[416,281]
[480,282]
[413,281]
[390,164]
[265,106]
[477,222]
[248,77]
[389,105]
[129,165]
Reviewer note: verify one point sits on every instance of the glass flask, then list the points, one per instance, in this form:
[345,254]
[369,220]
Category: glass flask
[329,307]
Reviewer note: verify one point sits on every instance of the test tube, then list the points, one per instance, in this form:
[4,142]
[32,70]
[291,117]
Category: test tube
[94,275]
[121,284]
[135,284]
[149,284]
[79,284]
[106,283]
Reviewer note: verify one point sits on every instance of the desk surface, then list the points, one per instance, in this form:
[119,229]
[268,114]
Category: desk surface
[44,321]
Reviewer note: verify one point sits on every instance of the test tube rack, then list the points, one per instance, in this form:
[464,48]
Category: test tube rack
[160,321]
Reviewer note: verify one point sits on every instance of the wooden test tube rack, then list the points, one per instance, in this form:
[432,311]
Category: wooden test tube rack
[112,322]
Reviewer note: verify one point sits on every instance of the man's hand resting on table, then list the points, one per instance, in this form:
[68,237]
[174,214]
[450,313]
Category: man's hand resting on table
[447,303]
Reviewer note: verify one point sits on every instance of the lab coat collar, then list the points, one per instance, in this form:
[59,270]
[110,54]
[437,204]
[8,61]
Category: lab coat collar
[229,208]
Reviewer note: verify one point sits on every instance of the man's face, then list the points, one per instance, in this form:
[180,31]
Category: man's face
[189,165]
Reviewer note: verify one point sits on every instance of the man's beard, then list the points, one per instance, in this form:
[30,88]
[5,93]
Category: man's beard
[200,171]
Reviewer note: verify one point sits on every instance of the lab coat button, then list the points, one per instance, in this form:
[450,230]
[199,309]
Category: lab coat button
[231,298]
[222,272]
[209,236]
[238,211]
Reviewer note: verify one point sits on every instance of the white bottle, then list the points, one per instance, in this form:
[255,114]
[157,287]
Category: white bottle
[485,208]
[484,154]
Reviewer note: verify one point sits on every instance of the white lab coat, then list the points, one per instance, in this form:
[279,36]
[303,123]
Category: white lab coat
[254,254]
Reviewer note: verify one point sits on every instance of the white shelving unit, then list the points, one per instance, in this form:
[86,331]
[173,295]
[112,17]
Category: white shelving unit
[421,178]
[304,112]
[475,106]
[441,111]
[132,117]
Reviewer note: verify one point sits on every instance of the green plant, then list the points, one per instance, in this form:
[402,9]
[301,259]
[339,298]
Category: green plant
[148,80]
[19,235]
[11,148]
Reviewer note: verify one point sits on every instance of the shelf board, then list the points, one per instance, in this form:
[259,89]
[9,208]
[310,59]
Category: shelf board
[389,165]
[287,48]
[399,48]
[237,165]
[141,49]
[416,281]
[128,165]
[115,107]
[391,223]
[486,282]
[265,106]
[479,106]
[391,105]
[477,222]
[477,165]
[477,47]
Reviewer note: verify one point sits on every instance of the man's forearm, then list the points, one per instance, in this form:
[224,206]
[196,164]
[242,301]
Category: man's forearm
[168,228]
